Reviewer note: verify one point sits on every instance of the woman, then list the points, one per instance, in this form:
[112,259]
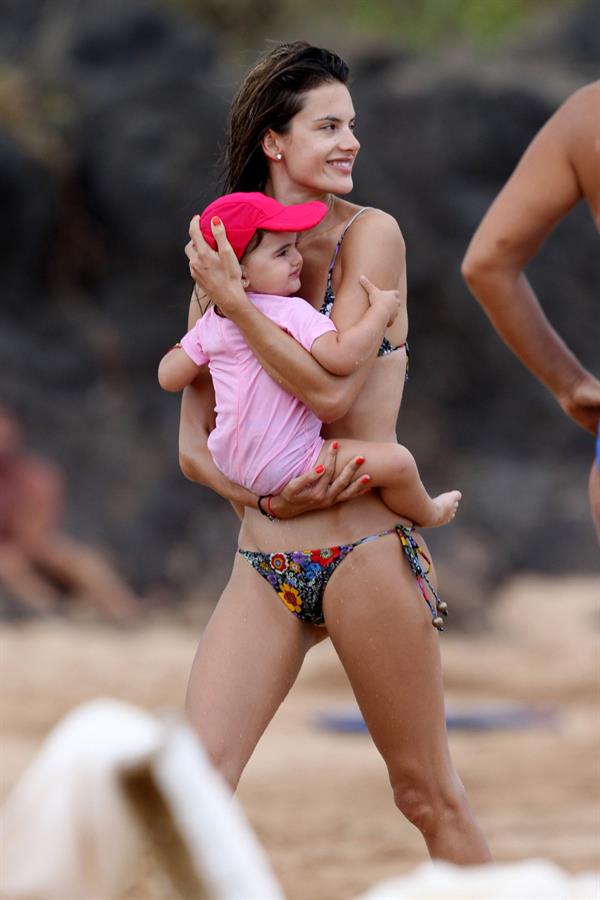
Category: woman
[292,135]
[558,169]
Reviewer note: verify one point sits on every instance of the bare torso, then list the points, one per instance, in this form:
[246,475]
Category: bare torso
[383,389]
[372,417]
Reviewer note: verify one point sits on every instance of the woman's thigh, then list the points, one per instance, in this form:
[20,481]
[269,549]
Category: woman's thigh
[381,628]
[248,658]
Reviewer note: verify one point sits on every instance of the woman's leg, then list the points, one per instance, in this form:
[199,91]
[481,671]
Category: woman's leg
[381,629]
[392,468]
[248,658]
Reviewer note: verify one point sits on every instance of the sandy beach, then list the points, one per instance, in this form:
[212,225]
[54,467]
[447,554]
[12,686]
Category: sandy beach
[319,800]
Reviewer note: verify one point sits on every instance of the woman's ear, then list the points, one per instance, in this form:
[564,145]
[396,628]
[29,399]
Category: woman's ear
[270,144]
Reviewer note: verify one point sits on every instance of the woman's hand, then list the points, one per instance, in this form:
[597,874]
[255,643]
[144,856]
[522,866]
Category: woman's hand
[582,402]
[320,489]
[217,273]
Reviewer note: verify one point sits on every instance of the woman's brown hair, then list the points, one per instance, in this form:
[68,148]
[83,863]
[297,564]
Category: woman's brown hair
[269,97]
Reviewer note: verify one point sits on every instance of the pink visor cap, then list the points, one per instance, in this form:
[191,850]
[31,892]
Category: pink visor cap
[244,213]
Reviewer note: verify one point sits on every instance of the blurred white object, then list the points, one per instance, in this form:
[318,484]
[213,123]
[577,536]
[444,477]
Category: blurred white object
[226,856]
[72,827]
[110,776]
[535,879]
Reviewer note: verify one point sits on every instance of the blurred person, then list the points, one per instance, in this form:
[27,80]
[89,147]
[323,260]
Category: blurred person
[36,559]
[291,135]
[263,436]
[560,167]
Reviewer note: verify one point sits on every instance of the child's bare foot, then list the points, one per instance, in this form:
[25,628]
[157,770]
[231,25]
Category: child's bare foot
[445,506]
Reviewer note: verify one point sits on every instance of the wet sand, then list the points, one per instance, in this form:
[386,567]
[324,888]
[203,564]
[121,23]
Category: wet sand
[320,801]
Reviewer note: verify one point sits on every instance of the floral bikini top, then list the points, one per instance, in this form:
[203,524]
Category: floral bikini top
[329,298]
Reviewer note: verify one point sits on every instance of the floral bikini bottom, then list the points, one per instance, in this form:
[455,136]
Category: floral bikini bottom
[299,578]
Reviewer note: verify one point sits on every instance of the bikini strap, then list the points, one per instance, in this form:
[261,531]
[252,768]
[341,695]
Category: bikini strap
[373,537]
[342,236]
[414,553]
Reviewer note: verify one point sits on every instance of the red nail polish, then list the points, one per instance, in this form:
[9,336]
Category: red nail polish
[335,445]
[365,479]
[319,470]
[360,460]
[216,220]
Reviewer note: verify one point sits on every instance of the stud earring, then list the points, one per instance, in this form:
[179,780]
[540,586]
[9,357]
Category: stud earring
[278,156]
[245,282]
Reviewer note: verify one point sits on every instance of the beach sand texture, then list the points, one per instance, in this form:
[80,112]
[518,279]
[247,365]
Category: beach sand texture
[320,801]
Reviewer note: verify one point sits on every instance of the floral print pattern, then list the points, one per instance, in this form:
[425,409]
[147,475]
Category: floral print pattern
[300,577]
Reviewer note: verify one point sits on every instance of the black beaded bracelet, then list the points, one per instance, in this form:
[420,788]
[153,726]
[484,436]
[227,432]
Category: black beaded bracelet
[264,511]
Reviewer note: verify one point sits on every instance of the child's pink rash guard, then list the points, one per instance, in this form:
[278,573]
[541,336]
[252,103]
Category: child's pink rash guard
[263,436]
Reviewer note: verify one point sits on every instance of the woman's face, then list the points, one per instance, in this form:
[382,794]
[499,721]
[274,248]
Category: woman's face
[319,150]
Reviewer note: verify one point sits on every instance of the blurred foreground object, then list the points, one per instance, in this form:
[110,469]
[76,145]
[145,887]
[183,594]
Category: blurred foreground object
[529,880]
[35,558]
[107,776]
[112,778]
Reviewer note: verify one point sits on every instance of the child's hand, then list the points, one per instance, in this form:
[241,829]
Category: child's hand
[390,300]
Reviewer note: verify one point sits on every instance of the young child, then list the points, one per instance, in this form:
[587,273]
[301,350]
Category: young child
[264,436]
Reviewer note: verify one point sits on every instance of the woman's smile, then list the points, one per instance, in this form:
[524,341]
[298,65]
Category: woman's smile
[342,165]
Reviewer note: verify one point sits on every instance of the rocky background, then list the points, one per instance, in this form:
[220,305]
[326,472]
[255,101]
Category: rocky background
[110,121]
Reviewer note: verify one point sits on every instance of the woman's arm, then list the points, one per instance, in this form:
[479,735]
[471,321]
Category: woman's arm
[195,460]
[197,420]
[328,396]
[373,247]
[543,188]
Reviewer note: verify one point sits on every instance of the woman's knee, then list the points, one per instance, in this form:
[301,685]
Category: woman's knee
[427,799]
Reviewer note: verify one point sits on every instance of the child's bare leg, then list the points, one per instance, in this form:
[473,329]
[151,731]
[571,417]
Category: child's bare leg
[393,469]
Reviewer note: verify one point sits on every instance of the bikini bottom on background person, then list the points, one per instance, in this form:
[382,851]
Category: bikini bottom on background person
[299,577]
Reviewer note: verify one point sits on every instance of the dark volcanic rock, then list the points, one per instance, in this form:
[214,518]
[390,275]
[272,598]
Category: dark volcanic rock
[129,101]
[142,83]
[28,199]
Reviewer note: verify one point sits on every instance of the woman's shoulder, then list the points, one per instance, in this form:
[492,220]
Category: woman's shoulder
[373,226]
[586,98]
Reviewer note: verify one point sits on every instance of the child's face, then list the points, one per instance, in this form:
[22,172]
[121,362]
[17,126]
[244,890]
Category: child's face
[274,267]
